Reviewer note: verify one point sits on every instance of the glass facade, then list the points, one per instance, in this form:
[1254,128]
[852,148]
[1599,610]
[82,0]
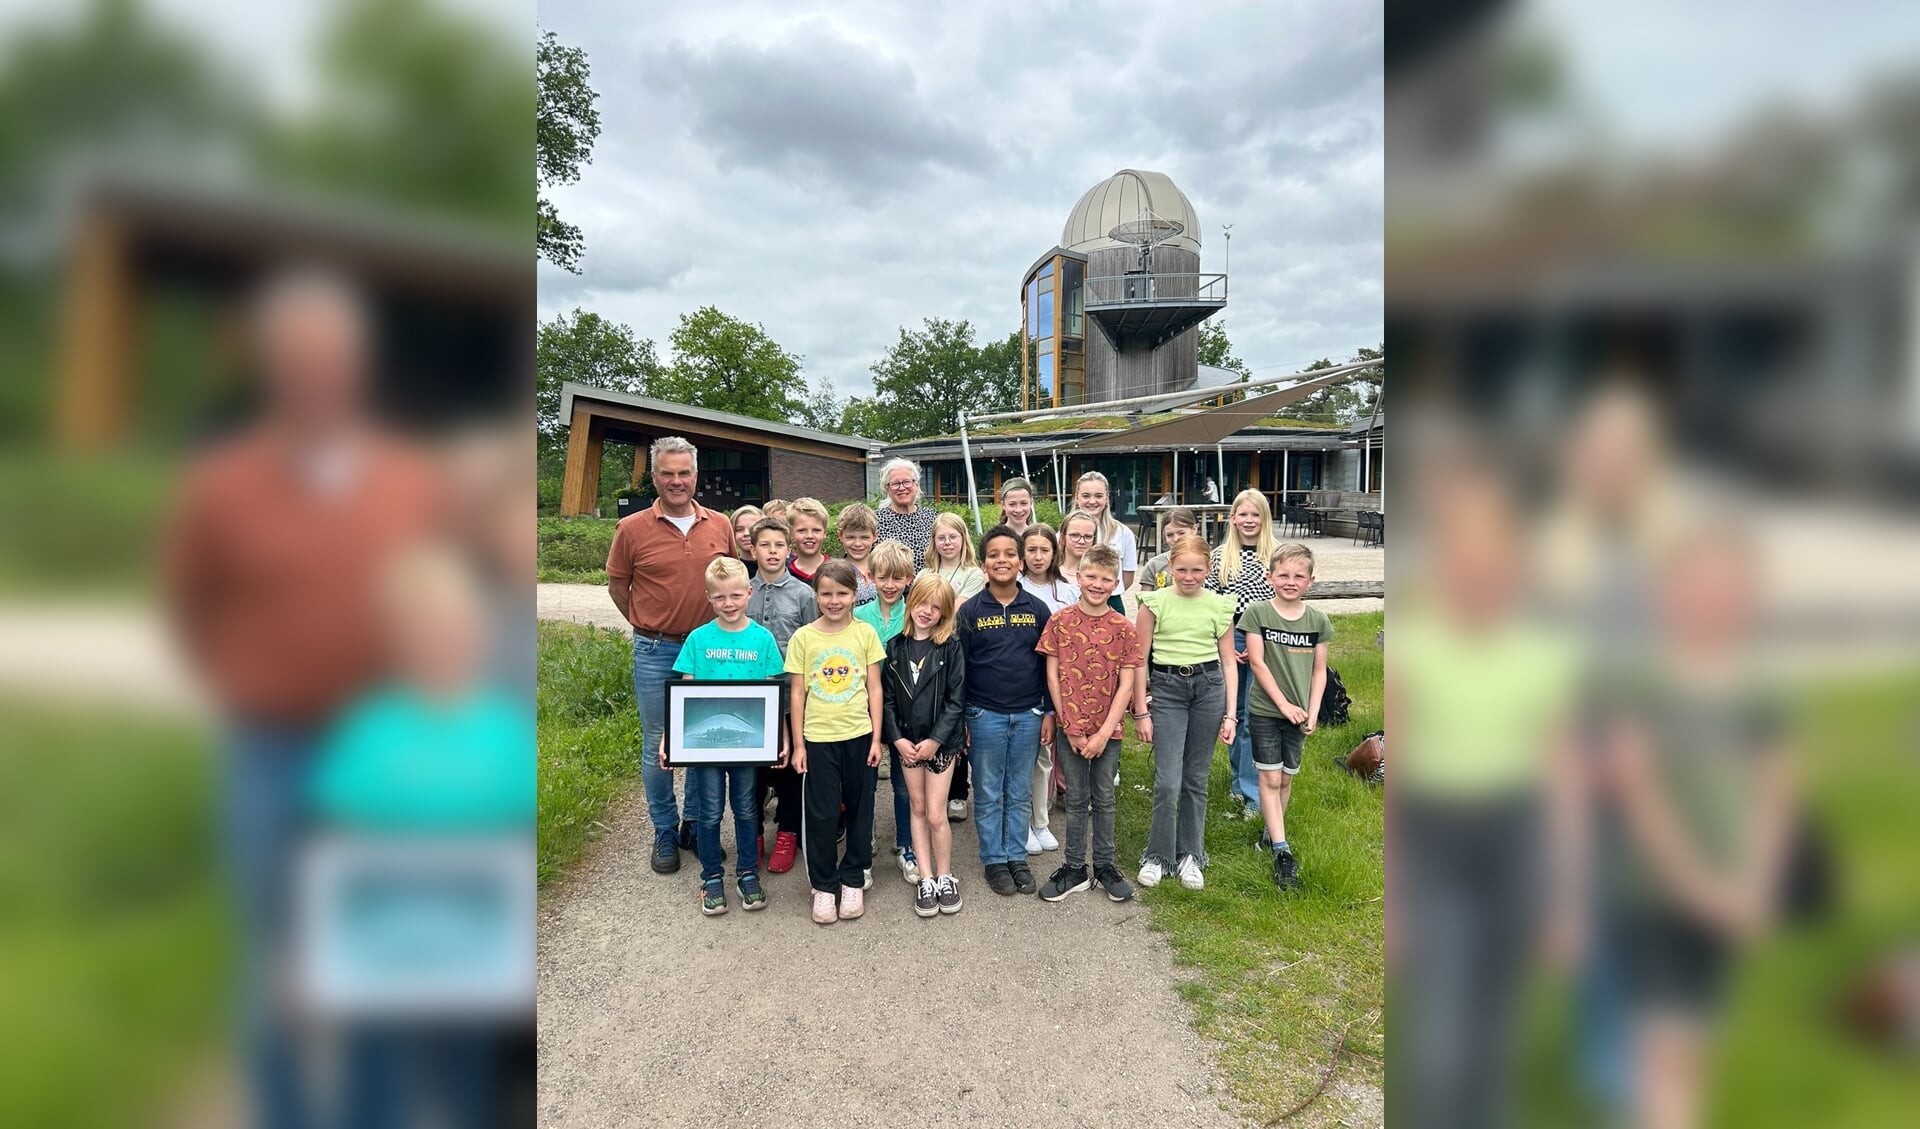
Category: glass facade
[1053,313]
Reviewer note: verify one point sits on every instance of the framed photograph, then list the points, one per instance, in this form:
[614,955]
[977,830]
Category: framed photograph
[723,723]
[415,927]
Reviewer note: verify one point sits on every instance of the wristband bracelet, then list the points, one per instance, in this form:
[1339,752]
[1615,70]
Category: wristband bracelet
[1139,716]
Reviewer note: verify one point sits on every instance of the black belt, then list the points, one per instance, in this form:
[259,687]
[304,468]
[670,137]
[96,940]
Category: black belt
[1188,670]
[658,636]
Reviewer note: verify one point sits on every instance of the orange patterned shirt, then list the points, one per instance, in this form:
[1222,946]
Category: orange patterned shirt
[1093,650]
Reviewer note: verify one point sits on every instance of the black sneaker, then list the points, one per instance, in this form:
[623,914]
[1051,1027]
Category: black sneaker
[1111,880]
[1022,877]
[752,897]
[1000,879]
[666,854]
[1286,869]
[1064,881]
[926,899]
[947,893]
[689,835]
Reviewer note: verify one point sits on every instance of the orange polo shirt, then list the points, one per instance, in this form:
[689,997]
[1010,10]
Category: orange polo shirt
[667,569]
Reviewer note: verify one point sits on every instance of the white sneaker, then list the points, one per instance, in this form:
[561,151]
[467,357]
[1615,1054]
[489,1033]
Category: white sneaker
[1151,872]
[1033,842]
[866,882]
[909,866]
[958,809]
[1190,875]
[1047,841]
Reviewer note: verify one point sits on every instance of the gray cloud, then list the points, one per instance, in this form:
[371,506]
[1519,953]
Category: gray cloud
[817,105]
[837,177]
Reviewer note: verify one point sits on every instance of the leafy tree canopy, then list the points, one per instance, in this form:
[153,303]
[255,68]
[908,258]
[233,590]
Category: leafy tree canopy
[567,125]
[930,376]
[725,364]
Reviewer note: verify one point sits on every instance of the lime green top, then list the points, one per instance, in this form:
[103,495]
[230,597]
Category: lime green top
[1187,629]
[1475,712]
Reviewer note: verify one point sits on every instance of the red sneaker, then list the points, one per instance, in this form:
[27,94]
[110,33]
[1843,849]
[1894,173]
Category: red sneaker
[785,845]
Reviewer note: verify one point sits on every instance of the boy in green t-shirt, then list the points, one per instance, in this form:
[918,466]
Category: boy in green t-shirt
[1287,653]
[729,647]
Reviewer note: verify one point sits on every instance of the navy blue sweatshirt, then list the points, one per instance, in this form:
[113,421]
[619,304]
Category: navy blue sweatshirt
[1004,673]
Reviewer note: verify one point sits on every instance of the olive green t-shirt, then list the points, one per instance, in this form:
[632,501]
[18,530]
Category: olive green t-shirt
[1287,647]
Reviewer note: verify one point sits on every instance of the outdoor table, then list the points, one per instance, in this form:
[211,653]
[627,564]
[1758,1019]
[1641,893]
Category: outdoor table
[1205,511]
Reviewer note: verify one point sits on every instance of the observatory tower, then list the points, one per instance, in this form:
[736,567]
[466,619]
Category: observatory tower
[1112,312]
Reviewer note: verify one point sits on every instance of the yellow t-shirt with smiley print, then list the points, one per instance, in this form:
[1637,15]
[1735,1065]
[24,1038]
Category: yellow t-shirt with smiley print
[834,666]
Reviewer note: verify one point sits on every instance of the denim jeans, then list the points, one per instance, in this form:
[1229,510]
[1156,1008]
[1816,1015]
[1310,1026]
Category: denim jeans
[653,661]
[1186,726]
[267,770]
[1002,747]
[902,803]
[710,788]
[1090,797]
[1246,779]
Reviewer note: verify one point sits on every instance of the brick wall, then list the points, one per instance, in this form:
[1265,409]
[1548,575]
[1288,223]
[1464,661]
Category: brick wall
[795,475]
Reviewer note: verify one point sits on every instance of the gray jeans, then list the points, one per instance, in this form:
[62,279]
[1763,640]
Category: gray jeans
[1187,711]
[1089,792]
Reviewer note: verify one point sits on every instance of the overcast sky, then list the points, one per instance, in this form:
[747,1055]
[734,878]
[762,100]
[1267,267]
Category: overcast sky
[835,177]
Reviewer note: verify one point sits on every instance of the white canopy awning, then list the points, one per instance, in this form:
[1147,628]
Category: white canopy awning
[1211,425]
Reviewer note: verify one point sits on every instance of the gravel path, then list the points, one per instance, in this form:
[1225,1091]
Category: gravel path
[1012,1012]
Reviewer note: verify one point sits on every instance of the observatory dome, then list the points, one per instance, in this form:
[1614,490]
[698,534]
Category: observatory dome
[1121,197]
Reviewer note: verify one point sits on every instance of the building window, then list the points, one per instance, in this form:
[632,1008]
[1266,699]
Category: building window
[1043,380]
[1075,276]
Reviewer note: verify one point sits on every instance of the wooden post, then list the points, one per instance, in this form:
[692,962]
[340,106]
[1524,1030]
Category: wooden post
[639,465]
[576,498]
[98,332]
[596,448]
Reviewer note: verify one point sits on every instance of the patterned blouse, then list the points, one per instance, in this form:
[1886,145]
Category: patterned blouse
[1250,586]
[914,530]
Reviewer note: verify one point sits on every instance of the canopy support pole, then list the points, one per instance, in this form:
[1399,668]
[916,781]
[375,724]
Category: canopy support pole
[973,493]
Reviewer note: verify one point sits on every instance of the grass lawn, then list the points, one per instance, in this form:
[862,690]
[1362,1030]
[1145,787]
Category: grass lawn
[1276,980]
[589,743]
[1784,1059]
[113,938]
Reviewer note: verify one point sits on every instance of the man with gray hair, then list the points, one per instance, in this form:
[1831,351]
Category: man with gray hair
[271,565]
[656,573]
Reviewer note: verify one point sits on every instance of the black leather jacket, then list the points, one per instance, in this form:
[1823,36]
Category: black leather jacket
[932,709]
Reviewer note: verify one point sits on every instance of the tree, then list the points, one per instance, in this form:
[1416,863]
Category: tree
[567,125]
[729,365]
[823,409]
[1351,400]
[415,107]
[1216,350]
[930,376]
[588,349]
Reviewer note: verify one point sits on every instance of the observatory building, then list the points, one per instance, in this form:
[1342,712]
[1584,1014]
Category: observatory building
[1113,310]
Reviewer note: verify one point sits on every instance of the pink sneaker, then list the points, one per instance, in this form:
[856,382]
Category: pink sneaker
[823,908]
[852,903]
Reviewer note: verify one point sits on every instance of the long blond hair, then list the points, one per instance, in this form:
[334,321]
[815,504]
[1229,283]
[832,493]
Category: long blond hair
[1104,526]
[959,525]
[1263,544]
[1061,559]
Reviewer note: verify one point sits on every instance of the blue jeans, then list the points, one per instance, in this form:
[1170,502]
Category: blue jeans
[267,769]
[710,788]
[653,661]
[902,803]
[1002,747]
[1246,778]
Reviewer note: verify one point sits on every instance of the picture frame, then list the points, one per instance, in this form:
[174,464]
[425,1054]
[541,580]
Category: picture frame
[415,928]
[723,723]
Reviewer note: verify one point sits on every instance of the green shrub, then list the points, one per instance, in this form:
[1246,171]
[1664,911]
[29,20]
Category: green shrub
[575,544]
